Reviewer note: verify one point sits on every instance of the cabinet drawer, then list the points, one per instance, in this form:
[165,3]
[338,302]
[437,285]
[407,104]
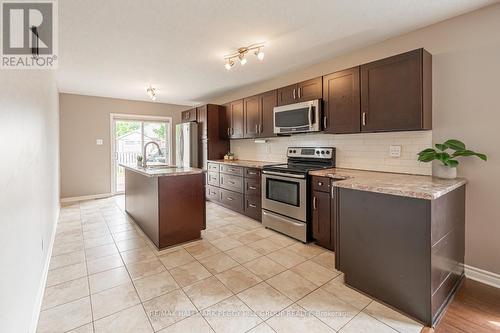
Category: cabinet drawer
[233,183]
[253,207]
[252,173]
[232,200]
[231,170]
[252,187]
[321,184]
[213,178]
[212,193]
[213,167]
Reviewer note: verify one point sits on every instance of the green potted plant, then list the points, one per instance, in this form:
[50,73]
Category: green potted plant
[444,163]
[139,160]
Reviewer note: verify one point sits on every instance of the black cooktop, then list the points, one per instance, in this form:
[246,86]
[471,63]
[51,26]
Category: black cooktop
[296,168]
[301,160]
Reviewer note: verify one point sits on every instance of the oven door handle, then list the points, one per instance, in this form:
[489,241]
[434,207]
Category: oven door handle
[284,174]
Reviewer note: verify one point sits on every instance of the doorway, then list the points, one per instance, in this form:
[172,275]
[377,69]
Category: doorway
[129,135]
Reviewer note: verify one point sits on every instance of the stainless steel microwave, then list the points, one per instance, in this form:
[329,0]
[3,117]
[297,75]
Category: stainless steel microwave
[297,118]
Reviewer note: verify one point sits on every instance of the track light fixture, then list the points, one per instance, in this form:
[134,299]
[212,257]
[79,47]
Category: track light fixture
[152,92]
[240,55]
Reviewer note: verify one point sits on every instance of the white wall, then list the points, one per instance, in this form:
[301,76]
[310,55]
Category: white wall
[29,191]
[466,99]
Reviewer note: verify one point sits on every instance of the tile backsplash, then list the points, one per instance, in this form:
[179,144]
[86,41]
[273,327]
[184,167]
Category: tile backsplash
[365,151]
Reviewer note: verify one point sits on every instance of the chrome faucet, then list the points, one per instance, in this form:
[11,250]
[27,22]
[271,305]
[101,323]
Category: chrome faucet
[144,157]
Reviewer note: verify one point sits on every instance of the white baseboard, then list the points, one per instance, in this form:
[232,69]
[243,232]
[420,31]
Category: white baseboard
[86,197]
[482,276]
[43,281]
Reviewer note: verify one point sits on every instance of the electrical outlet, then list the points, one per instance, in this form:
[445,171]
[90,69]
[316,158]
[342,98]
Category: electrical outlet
[99,142]
[395,151]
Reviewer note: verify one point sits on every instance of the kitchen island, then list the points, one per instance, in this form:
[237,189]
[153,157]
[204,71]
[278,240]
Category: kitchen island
[167,203]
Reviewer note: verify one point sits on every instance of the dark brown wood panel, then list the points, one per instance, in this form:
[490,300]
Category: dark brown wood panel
[213,193]
[310,89]
[287,95]
[213,167]
[233,183]
[202,117]
[232,200]
[188,115]
[268,101]
[321,221]
[253,207]
[320,184]
[252,186]
[252,173]
[237,120]
[231,169]
[341,96]
[252,116]
[213,178]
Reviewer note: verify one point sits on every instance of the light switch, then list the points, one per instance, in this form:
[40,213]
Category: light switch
[99,142]
[395,151]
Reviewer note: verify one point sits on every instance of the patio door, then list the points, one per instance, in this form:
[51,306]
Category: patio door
[129,135]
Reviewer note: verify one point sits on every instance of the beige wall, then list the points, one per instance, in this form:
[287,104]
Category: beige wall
[85,166]
[466,60]
[29,192]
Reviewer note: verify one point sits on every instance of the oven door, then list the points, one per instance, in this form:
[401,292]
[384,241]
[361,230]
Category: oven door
[285,194]
[297,118]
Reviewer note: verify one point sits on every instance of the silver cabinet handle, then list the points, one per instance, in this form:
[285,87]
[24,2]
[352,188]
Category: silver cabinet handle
[324,122]
[332,191]
[300,90]
[230,182]
[294,97]
[314,203]
[252,205]
[229,198]
[364,118]
[320,183]
[256,128]
[228,129]
[252,187]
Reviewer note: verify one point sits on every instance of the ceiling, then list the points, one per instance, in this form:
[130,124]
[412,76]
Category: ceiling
[116,48]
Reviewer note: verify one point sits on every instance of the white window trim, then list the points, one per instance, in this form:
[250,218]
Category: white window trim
[144,118]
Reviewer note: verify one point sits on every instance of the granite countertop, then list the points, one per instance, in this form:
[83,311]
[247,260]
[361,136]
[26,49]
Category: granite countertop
[245,163]
[413,186]
[163,171]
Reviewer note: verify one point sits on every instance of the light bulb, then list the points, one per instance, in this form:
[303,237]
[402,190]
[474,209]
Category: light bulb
[243,60]
[228,65]
[260,54]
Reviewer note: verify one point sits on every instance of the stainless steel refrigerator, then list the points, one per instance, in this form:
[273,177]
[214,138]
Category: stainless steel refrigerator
[186,144]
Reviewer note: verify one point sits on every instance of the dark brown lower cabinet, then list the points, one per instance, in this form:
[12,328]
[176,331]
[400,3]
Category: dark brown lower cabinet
[321,206]
[405,252]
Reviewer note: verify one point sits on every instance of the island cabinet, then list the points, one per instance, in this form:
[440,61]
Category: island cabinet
[406,252]
[234,187]
[301,92]
[258,115]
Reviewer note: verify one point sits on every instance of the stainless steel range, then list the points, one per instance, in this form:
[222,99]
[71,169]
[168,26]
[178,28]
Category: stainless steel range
[285,203]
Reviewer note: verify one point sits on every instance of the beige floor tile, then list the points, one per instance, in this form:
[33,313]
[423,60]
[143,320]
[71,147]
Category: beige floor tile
[189,273]
[141,254]
[115,229]
[296,320]
[63,248]
[98,241]
[103,264]
[265,246]
[66,273]
[96,233]
[101,251]
[231,316]
[231,229]
[226,243]
[65,292]
[337,288]
[218,263]
[108,279]
[124,235]
[326,259]
[248,237]
[212,235]
[155,285]
[392,318]
[130,244]
[262,328]
[66,259]
[168,309]
[328,308]
[65,317]
[113,300]
[283,240]
[176,258]
[364,323]
[238,279]
[264,300]
[195,324]
[201,249]
[207,292]
[286,257]
[292,285]
[243,254]
[264,267]
[306,250]
[131,320]
[88,328]
[145,268]
[314,272]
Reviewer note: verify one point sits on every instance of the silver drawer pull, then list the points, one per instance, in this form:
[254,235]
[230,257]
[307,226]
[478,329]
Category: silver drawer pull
[229,198]
[252,205]
[320,183]
[252,187]
[230,182]
[252,173]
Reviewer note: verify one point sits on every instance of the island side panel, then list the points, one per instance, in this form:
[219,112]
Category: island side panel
[384,249]
[182,208]
[141,202]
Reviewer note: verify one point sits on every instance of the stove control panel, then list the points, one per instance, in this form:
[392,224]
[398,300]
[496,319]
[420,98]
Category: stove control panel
[308,152]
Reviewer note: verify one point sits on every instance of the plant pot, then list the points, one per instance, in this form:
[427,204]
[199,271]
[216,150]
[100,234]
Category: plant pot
[442,171]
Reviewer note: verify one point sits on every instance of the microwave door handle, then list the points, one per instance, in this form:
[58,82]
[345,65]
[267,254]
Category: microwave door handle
[309,116]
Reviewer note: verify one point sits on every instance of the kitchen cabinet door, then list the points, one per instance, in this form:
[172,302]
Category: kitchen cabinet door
[268,101]
[188,115]
[237,120]
[252,116]
[310,89]
[321,224]
[202,121]
[341,96]
[225,122]
[396,93]
[287,95]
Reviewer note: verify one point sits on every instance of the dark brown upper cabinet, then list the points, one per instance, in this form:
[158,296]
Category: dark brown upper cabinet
[396,93]
[202,121]
[341,97]
[188,115]
[300,92]
[258,114]
[235,120]
[211,146]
